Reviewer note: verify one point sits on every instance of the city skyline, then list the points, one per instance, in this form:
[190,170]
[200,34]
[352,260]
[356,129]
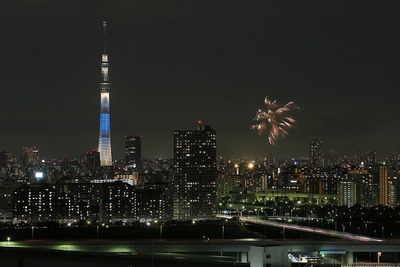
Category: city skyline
[175,63]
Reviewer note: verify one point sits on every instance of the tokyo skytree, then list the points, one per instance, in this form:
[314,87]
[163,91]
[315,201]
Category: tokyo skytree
[105,86]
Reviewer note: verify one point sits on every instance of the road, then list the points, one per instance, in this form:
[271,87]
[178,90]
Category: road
[301,228]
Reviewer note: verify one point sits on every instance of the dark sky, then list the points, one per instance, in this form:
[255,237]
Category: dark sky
[174,62]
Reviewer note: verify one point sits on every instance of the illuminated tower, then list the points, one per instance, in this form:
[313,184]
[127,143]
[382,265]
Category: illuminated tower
[105,86]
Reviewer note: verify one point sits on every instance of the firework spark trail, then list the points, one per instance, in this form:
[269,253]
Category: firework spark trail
[275,120]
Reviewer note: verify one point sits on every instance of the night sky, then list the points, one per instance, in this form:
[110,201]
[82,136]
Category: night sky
[175,62]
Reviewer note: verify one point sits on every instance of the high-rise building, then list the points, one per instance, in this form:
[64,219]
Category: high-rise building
[92,161]
[392,193]
[315,153]
[195,173]
[133,151]
[347,193]
[383,184]
[370,188]
[105,86]
[3,159]
[370,158]
[31,155]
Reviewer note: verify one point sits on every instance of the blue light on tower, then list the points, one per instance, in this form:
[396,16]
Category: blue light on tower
[105,127]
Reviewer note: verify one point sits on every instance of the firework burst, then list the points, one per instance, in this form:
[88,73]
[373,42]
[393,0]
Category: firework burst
[275,120]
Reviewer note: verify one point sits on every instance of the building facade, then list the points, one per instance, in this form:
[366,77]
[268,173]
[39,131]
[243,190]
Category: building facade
[153,202]
[195,173]
[40,203]
[315,153]
[91,161]
[133,151]
[31,155]
[383,184]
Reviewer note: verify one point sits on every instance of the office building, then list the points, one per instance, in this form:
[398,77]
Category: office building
[133,151]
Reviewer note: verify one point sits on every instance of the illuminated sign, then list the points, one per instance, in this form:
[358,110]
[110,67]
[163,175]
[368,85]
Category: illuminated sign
[38,175]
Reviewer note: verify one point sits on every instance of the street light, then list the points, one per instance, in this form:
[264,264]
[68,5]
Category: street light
[8,240]
[379,256]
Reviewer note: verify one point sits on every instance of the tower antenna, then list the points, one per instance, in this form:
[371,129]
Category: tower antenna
[104,36]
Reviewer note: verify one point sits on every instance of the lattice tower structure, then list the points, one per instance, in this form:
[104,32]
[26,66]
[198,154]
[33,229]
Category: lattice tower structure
[105,126]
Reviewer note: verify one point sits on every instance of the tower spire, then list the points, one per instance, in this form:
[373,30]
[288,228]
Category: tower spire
[104,37]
